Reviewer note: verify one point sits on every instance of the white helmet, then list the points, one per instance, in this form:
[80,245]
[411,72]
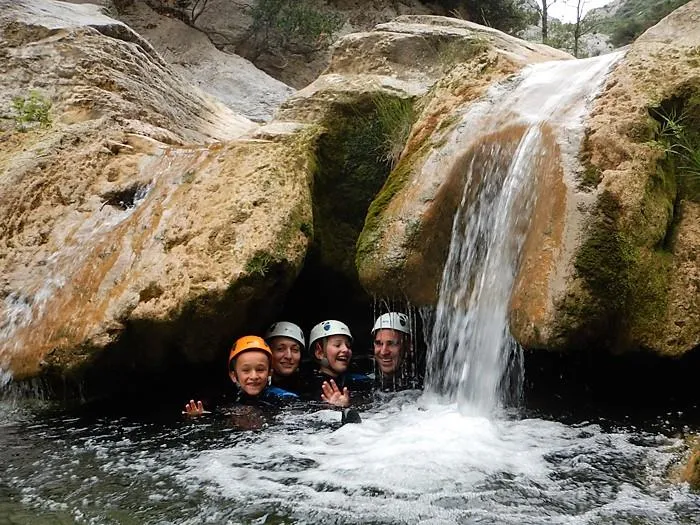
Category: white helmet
[327,328]
[286,329]
[394,321]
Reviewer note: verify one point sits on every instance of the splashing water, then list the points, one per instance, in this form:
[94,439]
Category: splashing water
[410,462]
[472,356]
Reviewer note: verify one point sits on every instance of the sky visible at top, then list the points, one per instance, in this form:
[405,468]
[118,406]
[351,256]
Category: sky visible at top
[565,10]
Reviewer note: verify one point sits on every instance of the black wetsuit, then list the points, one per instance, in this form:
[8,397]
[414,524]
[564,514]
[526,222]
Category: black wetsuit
[397,382]
[298,383]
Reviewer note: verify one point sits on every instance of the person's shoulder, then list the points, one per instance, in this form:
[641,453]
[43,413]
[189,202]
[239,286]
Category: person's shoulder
[276,395]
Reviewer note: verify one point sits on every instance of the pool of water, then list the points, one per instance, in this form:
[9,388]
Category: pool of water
[411,460]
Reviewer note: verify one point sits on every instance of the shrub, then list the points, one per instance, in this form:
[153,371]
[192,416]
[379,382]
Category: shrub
[293,22]
[31,110]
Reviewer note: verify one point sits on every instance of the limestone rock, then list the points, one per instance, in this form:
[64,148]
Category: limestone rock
[614,261]
[404,241]
[230,78]
[691,473]
[626,272]
[131,234]
[229,24]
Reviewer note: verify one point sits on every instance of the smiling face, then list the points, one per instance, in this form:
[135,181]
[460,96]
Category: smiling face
[334,354]
[286,355]
[251,370]
[387,350]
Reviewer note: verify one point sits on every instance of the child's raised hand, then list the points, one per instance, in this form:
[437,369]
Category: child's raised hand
[332,394]
[194,409]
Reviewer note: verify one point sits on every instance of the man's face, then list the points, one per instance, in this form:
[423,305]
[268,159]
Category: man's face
[387,350]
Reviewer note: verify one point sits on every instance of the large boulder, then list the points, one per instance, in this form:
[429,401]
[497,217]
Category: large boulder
[288,40]
[230,78]
[143,222]
[611,259]
[625,273]
[404,241]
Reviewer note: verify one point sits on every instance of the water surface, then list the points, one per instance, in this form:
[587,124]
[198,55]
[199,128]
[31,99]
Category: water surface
[412,460]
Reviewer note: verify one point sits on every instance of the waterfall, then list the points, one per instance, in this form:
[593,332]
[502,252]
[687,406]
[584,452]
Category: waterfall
[524,127]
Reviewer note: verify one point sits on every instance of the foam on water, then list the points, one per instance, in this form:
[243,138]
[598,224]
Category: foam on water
[412,460]
[421,462]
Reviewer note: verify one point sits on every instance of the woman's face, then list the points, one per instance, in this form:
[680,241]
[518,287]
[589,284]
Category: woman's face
[336,350]
[251,371]
[387,350]
[286,355]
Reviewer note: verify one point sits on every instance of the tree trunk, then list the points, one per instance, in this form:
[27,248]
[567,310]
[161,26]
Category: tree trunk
[544,21]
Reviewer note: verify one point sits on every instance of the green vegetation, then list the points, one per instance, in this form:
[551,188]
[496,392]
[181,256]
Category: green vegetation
[364,138]
[680,140]
[634,17]
[290,22]
[509,16]
[627,283]
[678,134]
[394,118]
[31,110]
[259,264]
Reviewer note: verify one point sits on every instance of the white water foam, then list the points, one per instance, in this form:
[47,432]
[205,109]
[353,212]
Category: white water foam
[427,463]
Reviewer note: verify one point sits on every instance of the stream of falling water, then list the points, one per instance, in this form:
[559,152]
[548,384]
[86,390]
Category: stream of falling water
[413,459]
[472,357]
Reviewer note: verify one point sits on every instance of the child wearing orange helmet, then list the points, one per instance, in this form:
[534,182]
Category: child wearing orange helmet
[250,365]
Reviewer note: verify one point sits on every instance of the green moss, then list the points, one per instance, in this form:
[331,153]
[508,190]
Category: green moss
[355,155]
[627,282]
[649,302]
[604,260]
[395,182]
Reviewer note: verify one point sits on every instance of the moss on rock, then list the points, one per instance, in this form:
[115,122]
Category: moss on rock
[355,156]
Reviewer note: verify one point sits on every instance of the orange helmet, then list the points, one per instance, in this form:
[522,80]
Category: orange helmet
[248,342]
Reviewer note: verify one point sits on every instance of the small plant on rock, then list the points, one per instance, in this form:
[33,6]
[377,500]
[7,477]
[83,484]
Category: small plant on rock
[31,110]
[680,141]
[259,264]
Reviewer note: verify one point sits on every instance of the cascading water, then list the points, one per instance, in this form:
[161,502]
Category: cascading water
[472,356]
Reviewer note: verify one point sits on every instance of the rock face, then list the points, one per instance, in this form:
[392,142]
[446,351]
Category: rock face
[629,278]
[295,59]
[615,263]
[131,235]
[404,242]
[691,472]
[231,79]
[373,88]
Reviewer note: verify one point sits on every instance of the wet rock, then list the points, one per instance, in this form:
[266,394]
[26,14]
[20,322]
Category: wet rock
[626,271]
[403,244]
[143,222]
[691,473]
[612,261]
